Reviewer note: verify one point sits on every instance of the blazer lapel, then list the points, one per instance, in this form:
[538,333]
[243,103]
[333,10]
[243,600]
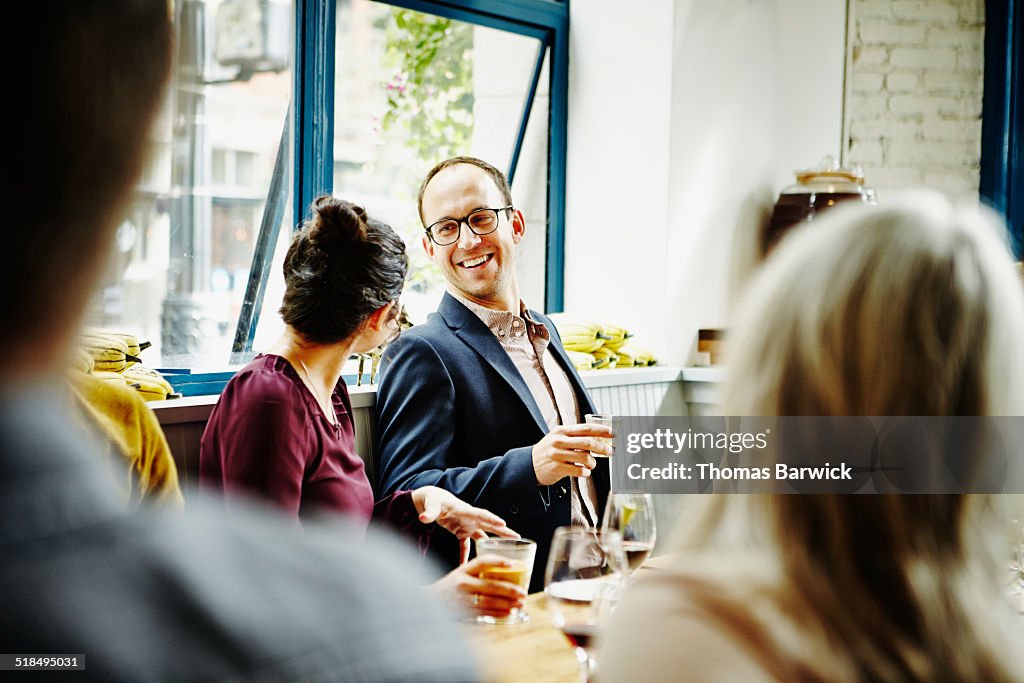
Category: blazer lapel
[471,330]
[586,406]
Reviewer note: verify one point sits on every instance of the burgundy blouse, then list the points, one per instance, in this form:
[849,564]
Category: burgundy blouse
[268,437]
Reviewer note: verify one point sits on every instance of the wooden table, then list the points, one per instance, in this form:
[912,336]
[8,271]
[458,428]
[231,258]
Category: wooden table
[531,652]
[536,651]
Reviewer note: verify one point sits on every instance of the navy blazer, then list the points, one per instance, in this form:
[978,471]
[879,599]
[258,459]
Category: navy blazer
[453,411]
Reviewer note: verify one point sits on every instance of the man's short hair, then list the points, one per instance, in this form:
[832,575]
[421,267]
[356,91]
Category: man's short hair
[88,98]
[497,176]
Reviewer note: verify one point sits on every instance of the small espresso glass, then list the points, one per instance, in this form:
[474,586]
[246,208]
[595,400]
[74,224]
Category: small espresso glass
[520,553]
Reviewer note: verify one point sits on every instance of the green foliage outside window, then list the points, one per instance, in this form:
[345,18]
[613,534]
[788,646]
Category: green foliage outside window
[429,99]
[430,94]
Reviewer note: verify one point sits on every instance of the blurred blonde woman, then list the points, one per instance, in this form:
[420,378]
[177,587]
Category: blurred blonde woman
[900,310]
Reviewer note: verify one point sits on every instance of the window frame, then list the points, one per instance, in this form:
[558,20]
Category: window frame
[1002,122]
[312,122]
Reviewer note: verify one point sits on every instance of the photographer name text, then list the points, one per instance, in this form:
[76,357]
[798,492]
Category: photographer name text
[712,472]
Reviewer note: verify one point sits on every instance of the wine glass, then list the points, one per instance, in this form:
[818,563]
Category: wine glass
[1016,585]
[632,515]
[584,576]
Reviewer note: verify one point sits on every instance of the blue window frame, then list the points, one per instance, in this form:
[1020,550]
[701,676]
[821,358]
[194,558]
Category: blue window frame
[313,127]
[1002,134]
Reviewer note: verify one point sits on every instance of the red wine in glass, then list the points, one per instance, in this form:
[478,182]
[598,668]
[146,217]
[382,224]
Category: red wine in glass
[637,553]
[579,635]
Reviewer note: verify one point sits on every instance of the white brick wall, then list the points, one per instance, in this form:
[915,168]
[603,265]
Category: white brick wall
[914,99]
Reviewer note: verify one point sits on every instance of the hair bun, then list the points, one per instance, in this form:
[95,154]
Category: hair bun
[336,223]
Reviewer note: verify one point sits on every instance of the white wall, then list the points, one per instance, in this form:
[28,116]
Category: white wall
[686,119]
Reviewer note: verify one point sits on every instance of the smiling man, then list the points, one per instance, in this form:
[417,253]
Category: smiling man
[482,399]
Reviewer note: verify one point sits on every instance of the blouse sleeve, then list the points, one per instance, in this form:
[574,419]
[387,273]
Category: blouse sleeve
[399,512]
[265,441]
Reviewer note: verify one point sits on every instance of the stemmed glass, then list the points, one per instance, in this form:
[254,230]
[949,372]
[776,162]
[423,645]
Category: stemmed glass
[583,579]
[632,515]
[1016,586]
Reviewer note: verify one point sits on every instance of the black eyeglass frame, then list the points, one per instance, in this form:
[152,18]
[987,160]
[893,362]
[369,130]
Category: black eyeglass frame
[465,219]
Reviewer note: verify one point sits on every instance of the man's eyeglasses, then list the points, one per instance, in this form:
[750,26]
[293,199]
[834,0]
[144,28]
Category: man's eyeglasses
[481,221]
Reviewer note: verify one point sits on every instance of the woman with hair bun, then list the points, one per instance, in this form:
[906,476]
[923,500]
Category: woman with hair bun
[282,430]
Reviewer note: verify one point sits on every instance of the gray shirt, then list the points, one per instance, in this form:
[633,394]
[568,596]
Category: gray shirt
[200,596]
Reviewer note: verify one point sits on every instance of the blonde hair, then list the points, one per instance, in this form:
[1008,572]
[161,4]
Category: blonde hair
[910,309]
[899,310]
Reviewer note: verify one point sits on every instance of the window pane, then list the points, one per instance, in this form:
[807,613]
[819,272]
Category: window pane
[184,252]
[413,89]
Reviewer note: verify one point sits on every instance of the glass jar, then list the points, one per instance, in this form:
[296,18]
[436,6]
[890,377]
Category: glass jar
[816,190]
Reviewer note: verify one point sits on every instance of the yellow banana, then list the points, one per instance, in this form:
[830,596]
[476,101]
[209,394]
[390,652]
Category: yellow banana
[578,334]
[133,346]
[150,390]
[605,357]
[112,377]
[625,357]
[147,377]
[635,355]
[584,347]
[104,348]
[147,395]
[110,365]
[110,353]
[581,361]
[614,334]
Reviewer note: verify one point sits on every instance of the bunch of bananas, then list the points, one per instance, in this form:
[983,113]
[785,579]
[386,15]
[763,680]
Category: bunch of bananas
[111,351]
[633,355]
[578,334]
[148,382]
[113,356]
[605,345]
[615,336]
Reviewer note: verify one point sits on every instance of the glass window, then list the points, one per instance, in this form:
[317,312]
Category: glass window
[185,250]
[412,89]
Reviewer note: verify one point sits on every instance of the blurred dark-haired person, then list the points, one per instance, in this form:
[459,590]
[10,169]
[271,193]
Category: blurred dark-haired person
[905,310]
[150,595]
[482,400]
[283,428]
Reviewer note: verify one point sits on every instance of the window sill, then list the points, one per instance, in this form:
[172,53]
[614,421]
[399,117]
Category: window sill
[197,408]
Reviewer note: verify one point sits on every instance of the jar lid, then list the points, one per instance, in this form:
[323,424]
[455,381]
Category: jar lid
[808,176]
[829,170]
